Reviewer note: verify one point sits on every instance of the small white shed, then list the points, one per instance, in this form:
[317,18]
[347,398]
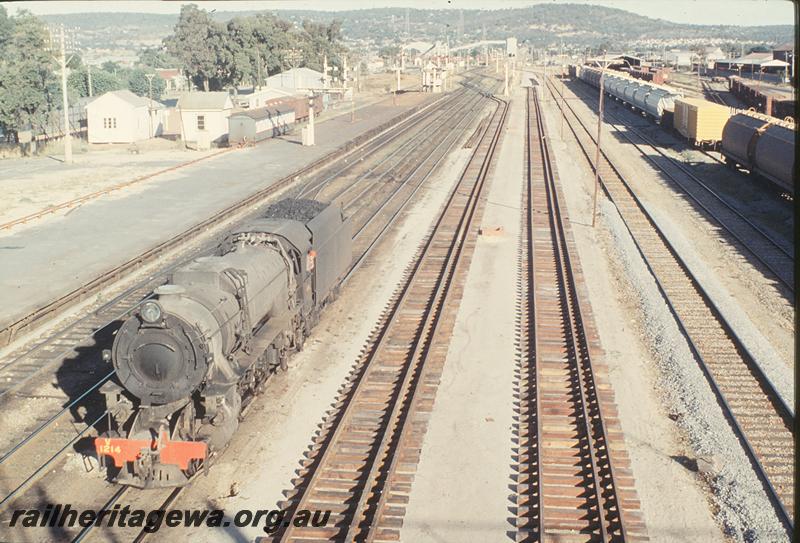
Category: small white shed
[204,117]
[123,117]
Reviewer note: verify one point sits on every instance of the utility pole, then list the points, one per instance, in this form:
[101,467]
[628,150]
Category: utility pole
[89,73]
[292,57]
[544,94]
[150,102]
[563,107]
[505,84]
[67,133]
[397,87]
[597,150]
[258,69]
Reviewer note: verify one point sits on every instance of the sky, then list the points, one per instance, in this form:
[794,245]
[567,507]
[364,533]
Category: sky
[729,12]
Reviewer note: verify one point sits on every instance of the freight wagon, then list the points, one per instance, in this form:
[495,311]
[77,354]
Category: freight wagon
[763,145]
[700,121]
[659,77]
[767,101]
[259,124]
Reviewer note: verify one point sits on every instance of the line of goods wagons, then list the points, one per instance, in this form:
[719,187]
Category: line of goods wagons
[274,119]
[759,143]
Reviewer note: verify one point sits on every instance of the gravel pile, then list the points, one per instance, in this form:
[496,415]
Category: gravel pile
[742,506]
[298,209]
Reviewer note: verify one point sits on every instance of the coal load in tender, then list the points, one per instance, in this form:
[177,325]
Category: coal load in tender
[298,209]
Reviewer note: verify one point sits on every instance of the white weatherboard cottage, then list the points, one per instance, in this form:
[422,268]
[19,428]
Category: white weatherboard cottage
[123,117]
[204,117]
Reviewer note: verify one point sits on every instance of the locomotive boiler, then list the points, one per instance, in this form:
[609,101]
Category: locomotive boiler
[191,356]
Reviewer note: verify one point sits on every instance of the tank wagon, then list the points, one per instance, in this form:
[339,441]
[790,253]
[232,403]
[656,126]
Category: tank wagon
[650,99]
[194,354]
[763,145]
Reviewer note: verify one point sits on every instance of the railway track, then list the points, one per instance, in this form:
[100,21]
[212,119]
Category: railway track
[372,140]
[775,257]
[362,463]
[574,481]
[19,367]
[757,413]
[59,428]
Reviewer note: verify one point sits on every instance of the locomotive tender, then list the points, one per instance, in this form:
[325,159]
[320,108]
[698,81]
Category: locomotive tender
[190,357]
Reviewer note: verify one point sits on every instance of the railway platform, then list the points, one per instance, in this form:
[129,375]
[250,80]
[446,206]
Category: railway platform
[57,254]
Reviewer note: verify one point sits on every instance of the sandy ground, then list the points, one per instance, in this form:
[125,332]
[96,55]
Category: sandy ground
[34,184]
[673,503]
[460,490]
[30,185]
[279,428]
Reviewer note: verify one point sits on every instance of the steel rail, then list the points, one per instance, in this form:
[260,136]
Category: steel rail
[146,284]
[466,118]
[66,409]
[782,409]
[363,256]
[606,496]
[9,332]
[528,332]
[348,409]
[787,282]
[432,323]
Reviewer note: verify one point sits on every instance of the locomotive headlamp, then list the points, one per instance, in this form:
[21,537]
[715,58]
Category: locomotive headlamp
[150,312]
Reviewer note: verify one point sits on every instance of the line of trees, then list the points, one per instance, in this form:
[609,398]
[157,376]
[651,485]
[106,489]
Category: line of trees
[30,85]
[245,50]
[214,55]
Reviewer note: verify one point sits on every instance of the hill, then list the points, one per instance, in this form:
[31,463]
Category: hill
[577,24]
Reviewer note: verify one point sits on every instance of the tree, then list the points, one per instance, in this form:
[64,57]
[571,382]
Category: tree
[389,52]
[102,82]
[198,44]
[157,57]
[320,41]
[27,82]
[138,84]
[6,27]
[255,47]
[110,66]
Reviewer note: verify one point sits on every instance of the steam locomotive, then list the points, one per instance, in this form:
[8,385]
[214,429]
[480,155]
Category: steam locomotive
[191,356]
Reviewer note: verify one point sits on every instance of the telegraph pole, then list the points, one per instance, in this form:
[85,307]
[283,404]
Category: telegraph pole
[89,73]
[293,58]
[67,133]
[505,84]
[563,106]
[397,87]
[150,101]
[597,150]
